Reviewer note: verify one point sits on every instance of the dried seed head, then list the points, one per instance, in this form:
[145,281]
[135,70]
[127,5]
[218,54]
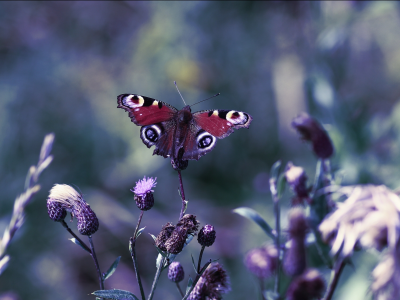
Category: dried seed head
[164,235]
[262,262]
[310,285]
[297,179]
[206,236]
[176,241]
[190,223]
[55,210]
[311,130]
[175,272]
[212,284]
[73,202]
[144,194]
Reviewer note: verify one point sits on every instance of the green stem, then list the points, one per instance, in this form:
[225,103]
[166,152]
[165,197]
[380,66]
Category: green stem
[156,278]
[277,213]
[200,257]
[179,289]
[335,279]
[93,253]
[65,225]
[132,244]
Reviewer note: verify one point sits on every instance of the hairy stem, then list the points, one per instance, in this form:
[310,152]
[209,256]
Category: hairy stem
[182,195]
[132,244]
[93,253]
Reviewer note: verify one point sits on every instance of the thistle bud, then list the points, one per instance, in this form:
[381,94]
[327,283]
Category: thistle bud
[177,240]
[55,210]
[295,259]
[312,131]
[175,272]
[297,179]
[74,203]
[164,235]
[206,236]
[310,285]
[144,194]
[262,262]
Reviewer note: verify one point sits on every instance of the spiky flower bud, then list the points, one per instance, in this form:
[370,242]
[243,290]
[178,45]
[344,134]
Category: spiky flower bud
[74,203]
[175,272]
[262,262]
[144,194]
[206,236]
[311,130]
[55,210]
[295,259]
[164,235]
[297,179]
[212,284]
[310,285]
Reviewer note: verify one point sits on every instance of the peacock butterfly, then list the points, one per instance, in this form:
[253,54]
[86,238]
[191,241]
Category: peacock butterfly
[179,134]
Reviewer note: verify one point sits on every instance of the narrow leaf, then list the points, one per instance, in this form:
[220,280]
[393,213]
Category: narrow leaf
[189,285]
[112,269]
[153,236]
[75,241]
[275,169]
[139,232]
[194,264]
[251,214]
[281,185]
[115,294]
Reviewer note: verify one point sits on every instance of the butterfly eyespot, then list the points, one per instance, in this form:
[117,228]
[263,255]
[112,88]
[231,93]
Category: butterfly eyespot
[151,135]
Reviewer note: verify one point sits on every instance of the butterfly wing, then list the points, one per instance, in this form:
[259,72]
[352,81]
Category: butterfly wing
[157,119]
[207,126]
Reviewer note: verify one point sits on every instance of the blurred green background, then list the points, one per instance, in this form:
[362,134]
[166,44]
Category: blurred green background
[62,65]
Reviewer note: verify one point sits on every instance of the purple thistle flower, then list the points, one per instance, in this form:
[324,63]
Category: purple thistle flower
[144,186]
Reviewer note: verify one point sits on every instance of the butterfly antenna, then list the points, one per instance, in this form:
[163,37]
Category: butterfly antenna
[180,93]
[206,99]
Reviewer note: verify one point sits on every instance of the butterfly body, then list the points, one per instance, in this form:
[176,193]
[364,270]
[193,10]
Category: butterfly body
[180,134]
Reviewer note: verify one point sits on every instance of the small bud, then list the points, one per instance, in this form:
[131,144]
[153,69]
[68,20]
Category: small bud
[144,194]
[175,272]
[310,285]
[73,202]
[297,179]
[212,284]
[206,236]
[295,258]
[262,262]
[312,131]
[55,210]
[164,235]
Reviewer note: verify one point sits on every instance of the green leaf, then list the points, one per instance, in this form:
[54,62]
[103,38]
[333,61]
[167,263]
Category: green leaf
[115,294]
[153,236]
[139,232]
[75,241]
[275,169]
[112,269]
[281,185]
[251,214]
[194,264]
[189,285]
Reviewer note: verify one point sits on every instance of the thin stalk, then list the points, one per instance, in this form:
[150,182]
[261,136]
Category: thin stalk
[132,243]
[182,194]
[200,257]
[157,276]
[65,225]
[335,280]
[261,281]
[93,253]
[277,213]
[179,289]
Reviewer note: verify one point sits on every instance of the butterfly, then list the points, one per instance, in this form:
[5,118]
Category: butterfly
[180,134]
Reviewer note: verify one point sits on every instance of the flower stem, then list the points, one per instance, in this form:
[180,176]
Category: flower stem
[182,195]
[157,276]
[93,253]
[336,275]
[261,280]
[132,244]
[65,225]
[179,289]
[277,213]
[200,256]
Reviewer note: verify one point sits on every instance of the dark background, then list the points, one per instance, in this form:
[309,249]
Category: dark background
[62,65]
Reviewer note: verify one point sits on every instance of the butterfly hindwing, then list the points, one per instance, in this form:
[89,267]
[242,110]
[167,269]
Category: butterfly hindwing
[221,123]
[144,110]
